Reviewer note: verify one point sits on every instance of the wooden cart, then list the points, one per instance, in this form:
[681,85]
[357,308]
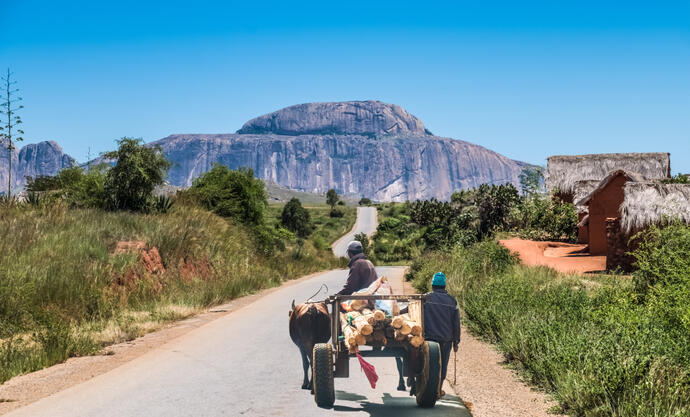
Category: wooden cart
[332,360]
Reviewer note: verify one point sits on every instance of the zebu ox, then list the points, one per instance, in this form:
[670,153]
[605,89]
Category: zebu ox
[310,324]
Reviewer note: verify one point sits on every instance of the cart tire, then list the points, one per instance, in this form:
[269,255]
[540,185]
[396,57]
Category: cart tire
[322,375]
[428,382]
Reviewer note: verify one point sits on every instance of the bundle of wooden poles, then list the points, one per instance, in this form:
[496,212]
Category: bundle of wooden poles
[366,326]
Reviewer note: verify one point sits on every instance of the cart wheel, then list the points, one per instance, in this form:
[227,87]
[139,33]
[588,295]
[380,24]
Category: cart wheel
[428,383]
[322,376]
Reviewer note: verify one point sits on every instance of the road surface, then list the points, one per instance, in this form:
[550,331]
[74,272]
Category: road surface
[242,364]
[366,223]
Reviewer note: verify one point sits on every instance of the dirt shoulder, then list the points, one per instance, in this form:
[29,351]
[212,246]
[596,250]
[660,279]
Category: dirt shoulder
[26,389]
[488,387]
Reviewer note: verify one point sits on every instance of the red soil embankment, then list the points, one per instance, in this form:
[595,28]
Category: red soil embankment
[563,257]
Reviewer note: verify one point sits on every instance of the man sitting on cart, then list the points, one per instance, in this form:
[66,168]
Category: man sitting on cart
[362,272]
[442,321]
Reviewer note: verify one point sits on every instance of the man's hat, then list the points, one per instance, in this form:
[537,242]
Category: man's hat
[439,280]
[355,247]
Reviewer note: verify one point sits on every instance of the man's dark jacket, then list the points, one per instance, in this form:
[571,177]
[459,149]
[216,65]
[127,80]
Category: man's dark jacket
[362,274]
[441,317]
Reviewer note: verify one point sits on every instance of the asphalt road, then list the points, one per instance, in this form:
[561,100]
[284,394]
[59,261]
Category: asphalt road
[242,364]
[367,220]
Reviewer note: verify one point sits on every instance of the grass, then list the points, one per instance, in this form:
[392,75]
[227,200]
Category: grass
[326,229]
[59,292]
[592,343]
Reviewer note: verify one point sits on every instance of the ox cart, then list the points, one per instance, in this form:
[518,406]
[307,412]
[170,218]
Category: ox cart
[332,360]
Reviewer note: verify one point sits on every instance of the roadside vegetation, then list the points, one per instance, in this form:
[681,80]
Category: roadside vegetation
[84,265]
[408,230]
[603,346]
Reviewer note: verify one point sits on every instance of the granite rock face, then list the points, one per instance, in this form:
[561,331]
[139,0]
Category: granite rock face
[389,169]
[365,148]
[43,158]
[364,118]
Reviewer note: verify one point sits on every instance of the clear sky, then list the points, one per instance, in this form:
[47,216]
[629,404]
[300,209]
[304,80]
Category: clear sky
[526,79]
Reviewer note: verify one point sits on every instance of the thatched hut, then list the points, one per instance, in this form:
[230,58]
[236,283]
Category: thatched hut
[604,202]
[644,204]
[564,171]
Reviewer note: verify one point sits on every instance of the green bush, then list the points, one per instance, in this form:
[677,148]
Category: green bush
[296,218]
[234,194]
[138,171]
[336,213]
[77,187]
[365,201]
[662,257]
[364,240]
[539,217]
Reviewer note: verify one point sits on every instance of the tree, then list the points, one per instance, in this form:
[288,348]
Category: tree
[365,202]
[234,194]
[332,198]
[9,109]
[494,203]
[296,218]
[531,180]
[137,172]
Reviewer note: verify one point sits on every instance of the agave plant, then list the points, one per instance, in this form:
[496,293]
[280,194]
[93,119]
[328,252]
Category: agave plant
[34,199]
[163,204]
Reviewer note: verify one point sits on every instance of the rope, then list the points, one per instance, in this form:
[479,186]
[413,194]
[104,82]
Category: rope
[317,292]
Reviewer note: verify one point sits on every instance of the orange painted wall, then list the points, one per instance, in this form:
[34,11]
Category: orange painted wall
[605,203]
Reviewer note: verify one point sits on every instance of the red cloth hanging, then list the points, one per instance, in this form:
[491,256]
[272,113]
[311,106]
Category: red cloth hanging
[369,370]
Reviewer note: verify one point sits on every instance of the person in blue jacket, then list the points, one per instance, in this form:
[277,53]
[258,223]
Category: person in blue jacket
[442,320]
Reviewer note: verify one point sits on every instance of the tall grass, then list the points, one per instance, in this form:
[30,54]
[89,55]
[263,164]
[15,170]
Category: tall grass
[590,341]
[58,274]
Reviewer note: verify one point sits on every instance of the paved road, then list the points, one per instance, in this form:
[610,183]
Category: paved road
[241,364]
[366,223]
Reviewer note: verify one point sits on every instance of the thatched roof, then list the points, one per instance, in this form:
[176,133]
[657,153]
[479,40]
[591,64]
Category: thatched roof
[648,203]
[582,190]
[563,171]
[630,176]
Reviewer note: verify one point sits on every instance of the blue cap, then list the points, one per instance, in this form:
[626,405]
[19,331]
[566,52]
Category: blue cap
[439,279]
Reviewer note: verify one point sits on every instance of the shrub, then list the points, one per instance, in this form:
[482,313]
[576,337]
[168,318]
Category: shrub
[332,198]
[137,172]
[336,213]
[662,257]
[77,187]
[364,240]
[296,219]
[494,203]
[234,194]
[541,218]
[341,203]
[364,201]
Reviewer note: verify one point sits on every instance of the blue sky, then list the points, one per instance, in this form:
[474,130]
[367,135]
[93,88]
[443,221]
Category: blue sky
[526,79]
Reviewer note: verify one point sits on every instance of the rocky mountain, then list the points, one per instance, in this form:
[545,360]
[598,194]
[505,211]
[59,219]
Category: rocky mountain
[365,148]
[360,148]
[43,158]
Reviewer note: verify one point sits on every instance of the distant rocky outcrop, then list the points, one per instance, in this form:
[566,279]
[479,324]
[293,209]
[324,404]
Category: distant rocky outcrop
[360,148]
[35,159]
[364,118]
[365,148]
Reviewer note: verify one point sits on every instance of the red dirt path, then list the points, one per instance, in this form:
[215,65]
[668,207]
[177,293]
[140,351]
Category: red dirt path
[563,257]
